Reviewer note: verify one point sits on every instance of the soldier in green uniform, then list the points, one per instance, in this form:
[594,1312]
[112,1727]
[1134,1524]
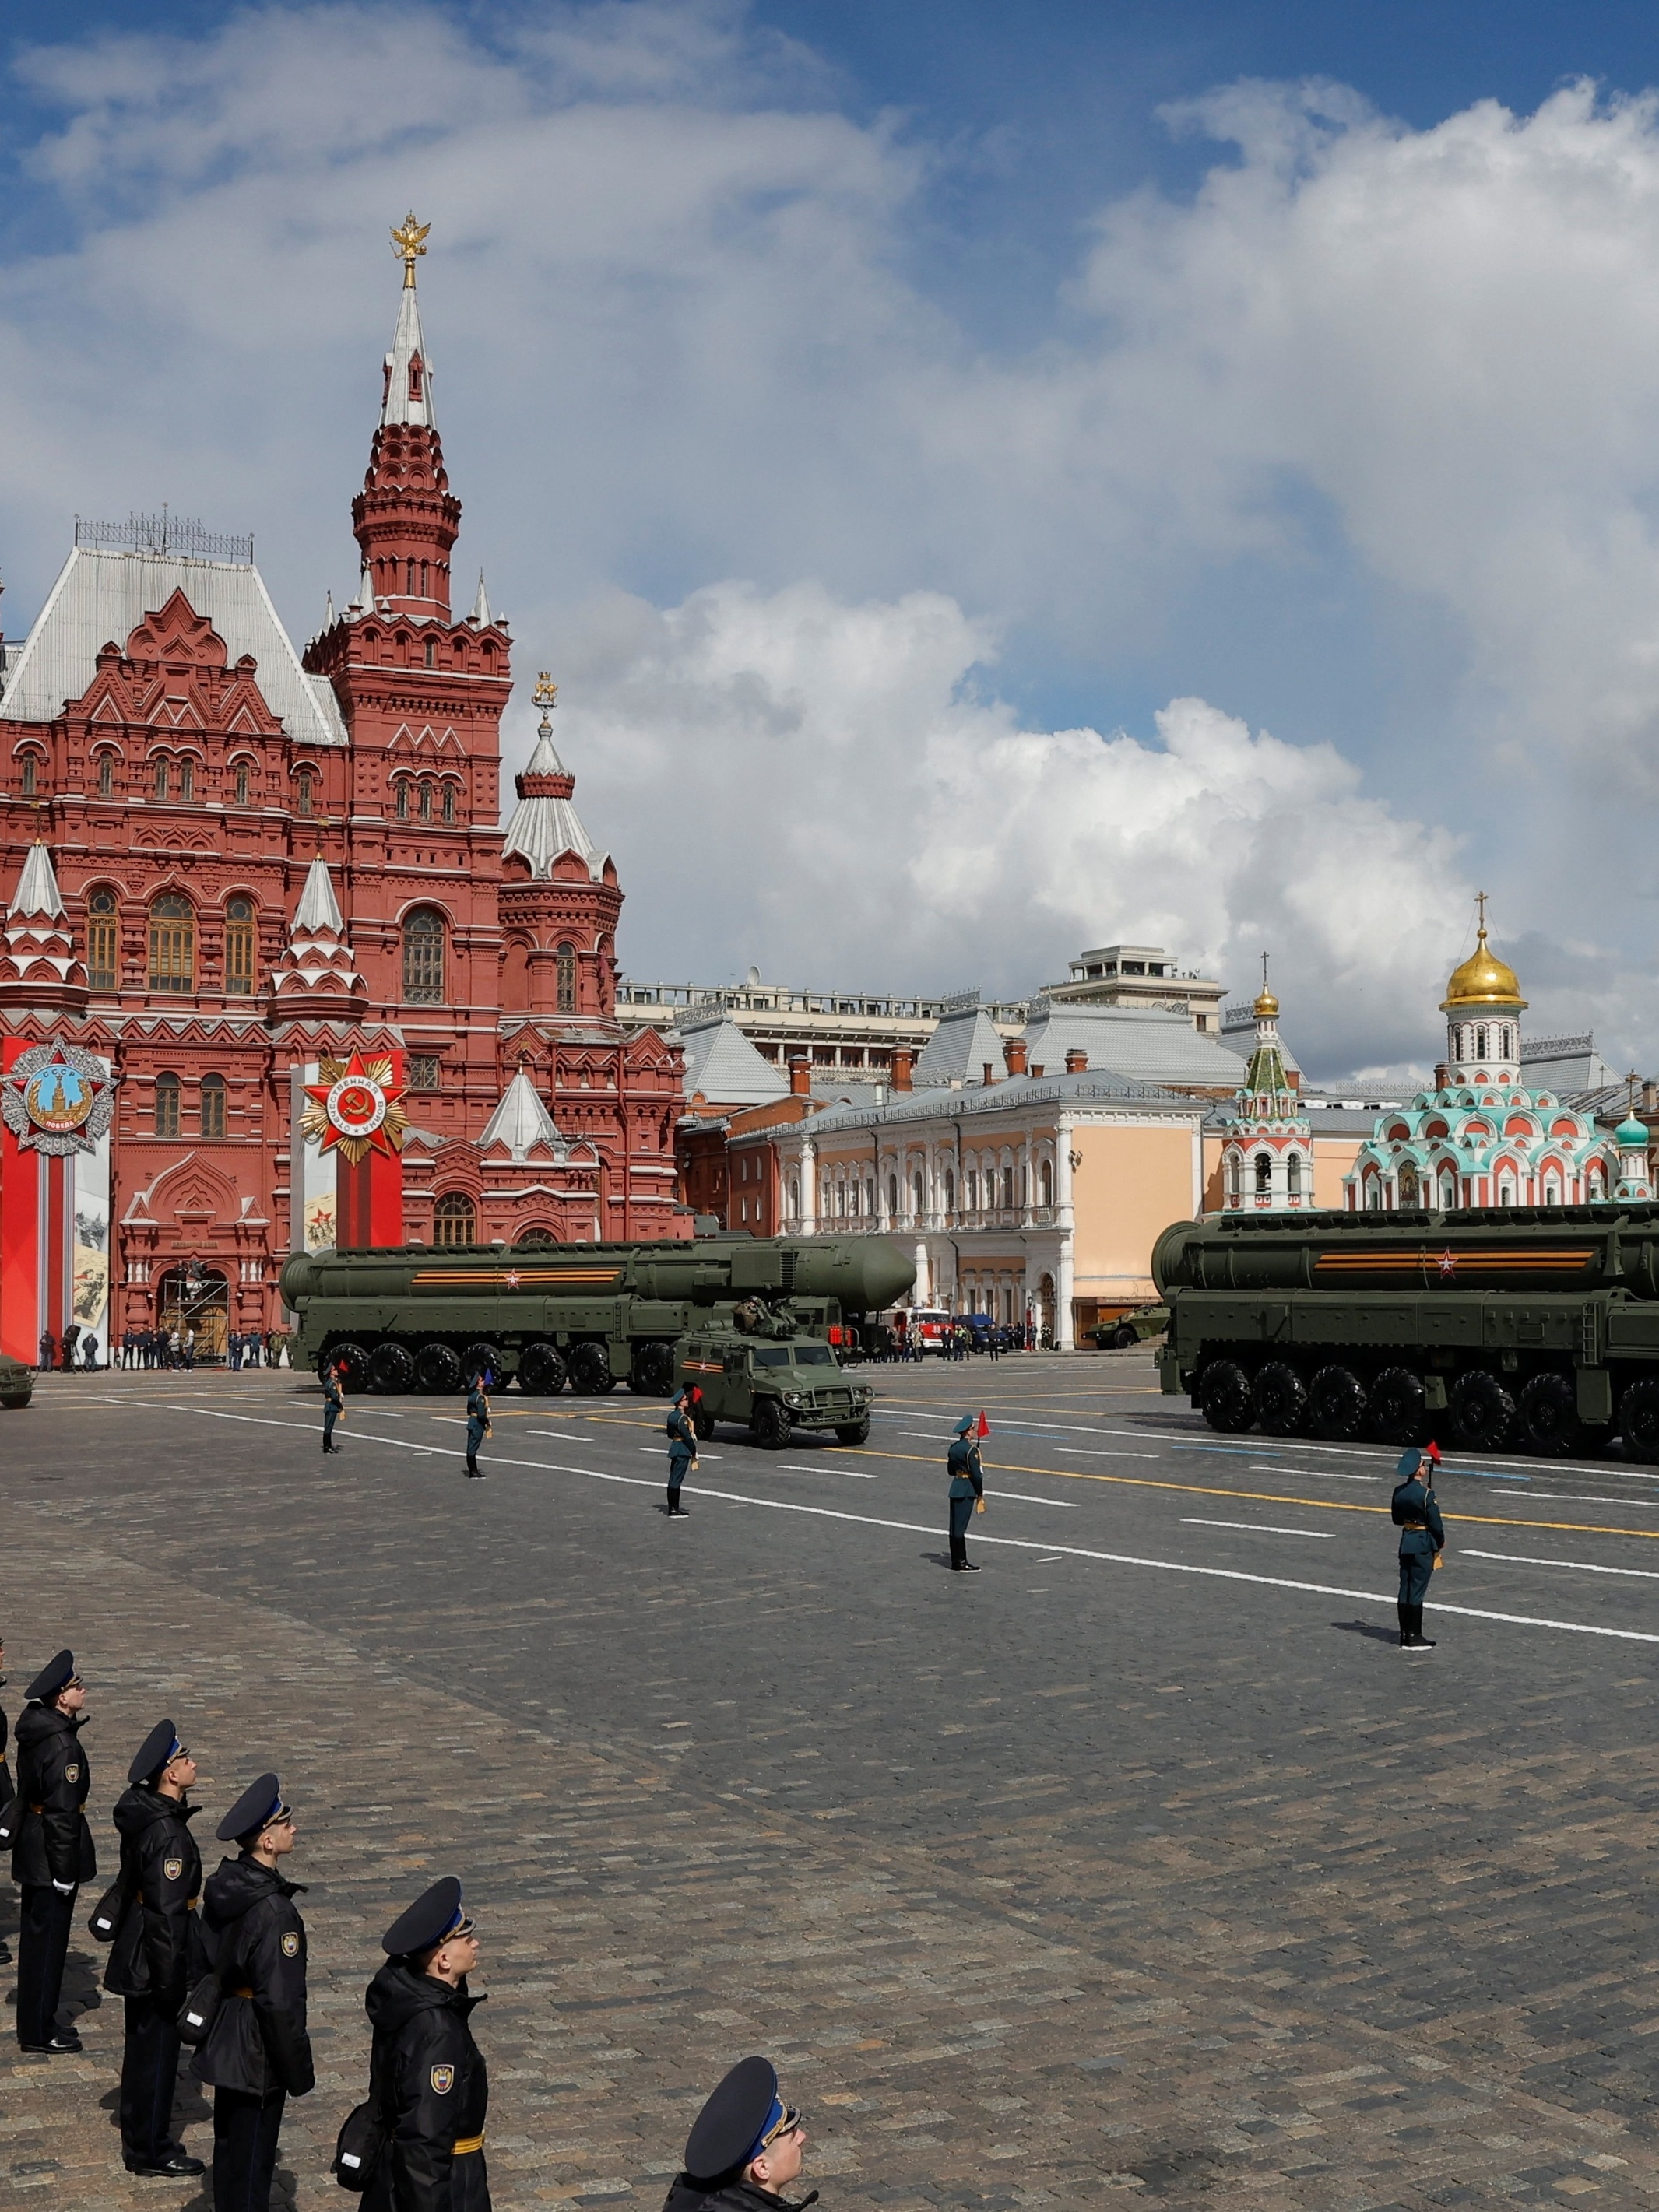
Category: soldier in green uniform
[477,1423]
[1422,1539]
[334,1404]
[682,1452]
[967,1492]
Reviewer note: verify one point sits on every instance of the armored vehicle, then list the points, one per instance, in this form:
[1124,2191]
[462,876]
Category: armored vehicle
[1530,1328]
[17,1384]
[415,1317]
[760,1371]
[1130,1328]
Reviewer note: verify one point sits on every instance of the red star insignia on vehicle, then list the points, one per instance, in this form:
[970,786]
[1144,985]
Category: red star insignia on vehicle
[511,1279]
[1448,1263]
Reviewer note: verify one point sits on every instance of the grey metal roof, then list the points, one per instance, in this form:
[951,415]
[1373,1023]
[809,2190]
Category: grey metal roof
[101,597]
[965,1039]
[544,825]
[1094,1088]
[520,1122]
[1142,1043]
[721,1063]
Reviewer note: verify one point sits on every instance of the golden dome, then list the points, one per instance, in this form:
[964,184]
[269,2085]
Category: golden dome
[1265,1008]
[1483,980]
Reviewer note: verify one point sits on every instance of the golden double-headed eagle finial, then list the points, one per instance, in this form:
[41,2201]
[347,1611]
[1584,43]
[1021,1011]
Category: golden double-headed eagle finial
[546,693]
[409,243]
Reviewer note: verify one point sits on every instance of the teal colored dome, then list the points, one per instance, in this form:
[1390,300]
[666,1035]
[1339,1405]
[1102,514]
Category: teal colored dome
[1629,1134]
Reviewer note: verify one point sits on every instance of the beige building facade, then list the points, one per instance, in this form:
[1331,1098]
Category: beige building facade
[1035,1198]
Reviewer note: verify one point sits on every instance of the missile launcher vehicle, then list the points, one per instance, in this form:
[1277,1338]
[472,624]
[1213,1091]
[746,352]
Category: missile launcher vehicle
[1519,1328]
[419,1317]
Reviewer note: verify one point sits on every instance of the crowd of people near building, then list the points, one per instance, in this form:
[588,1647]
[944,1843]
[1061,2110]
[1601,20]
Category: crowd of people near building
[78,1352]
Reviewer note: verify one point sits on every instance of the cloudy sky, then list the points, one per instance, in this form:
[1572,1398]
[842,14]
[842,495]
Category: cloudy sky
[989,478]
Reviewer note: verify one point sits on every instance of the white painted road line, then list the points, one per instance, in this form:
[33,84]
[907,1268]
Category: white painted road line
[1256,1528]
[1313,1473]
[1083,1451]
[792,1467]
[1579,1566]
[1019,1498]
[1381,1600]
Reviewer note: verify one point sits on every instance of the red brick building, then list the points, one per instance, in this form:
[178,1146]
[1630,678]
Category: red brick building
[226,859]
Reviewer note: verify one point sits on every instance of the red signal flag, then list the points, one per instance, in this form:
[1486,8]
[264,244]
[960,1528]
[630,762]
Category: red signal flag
[984,1428]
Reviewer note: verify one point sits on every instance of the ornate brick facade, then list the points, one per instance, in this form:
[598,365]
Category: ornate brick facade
[231,859]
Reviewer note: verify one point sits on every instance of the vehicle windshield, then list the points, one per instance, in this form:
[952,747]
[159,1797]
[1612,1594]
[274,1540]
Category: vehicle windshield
[814,1355]
[772,1355]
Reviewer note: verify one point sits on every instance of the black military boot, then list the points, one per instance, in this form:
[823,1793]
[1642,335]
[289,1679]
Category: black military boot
[1420,1641]
[1405,1613]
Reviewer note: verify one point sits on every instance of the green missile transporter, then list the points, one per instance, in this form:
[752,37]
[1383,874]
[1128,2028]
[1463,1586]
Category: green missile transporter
[1531,1329]
[420,1317]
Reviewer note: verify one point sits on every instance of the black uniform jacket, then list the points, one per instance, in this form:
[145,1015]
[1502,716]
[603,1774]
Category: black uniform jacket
[427,2080]
[1413,1502]
[157,1949]
[688,2196]
[8,1791]
[966,1477]
[256,1941]
[53,1844]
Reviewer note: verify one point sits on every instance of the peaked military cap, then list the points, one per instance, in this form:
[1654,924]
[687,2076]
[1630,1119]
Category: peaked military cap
[435,1916]
[739,2121]
[52,1677]
[154,1753]
[256,1808]
[965,1426]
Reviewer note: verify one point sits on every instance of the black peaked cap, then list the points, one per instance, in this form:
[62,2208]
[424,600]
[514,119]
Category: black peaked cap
[154,1753]
[52,1677]
[724,2132]
[252,1810]
[432,1916]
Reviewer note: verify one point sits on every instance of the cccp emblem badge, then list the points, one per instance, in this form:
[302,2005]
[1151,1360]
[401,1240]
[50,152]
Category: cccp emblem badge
[57,1099]
[443,2079]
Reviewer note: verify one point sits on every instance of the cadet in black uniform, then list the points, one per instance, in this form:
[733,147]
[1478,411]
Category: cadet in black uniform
[7,1794]
[477,1423]
[154,1949]
[333,1403]
[52,1852]
[682,1434]
[256,2054]
[745,2147]
[427,2080]
[967,1492]
[1422,1539]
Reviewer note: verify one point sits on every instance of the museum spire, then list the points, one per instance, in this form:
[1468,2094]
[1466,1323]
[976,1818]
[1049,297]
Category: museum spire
[406,519]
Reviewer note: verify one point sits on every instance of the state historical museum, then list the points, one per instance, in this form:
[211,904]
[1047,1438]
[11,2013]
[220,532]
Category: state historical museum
[230,863]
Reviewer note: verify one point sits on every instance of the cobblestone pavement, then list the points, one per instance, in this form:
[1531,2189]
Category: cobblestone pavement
[1141,1864]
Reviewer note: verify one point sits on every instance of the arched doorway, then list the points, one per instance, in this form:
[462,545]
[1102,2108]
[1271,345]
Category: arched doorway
[194,1297]
[1046,1309]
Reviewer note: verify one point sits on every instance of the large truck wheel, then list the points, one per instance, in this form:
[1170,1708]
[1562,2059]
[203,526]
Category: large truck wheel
[1638,1419]
[1399,1414]
[1549,1417]
[652,1373]
[391,1370]
[853,1432]
[771,1424]
[1223,1396]
[485,1360]
[350,1363]
[542,1370]
[437,1369]
[1482,1410]
[1281,1399]
[1336,1405]
[590,1370]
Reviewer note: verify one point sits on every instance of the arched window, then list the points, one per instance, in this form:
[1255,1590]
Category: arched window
[1293,1176]
[449,802]
[534,1240]
[160,778]
[1448,1193]
[213,1105]
[107,776]
[794,1196]
[1480,1043]
[244,783]
[454,1220]
[565,968]
[426,802]
[307,792]
[167,1105]
[402,798]
[239,947]
[1552,1192]
[917,1194]
[970,1190]
[1373,1196]
[892,1196]
[1235,1176]
[1046,1183]
[186,778]
[432,642]
[31,770]
[424,957]
[1263,1165]
[172,943]
[101,939]
[1008,1189]
[949,1190]
[1506,1193]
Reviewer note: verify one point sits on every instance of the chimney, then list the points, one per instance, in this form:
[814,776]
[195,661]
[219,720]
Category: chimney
[1014,1053]
[987,1076]
[903,1060]
[800,1076]
[1076,1061]
[1441,1071]
[1036,1071]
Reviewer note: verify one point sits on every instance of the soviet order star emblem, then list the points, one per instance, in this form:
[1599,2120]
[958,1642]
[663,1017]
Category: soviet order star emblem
[355,1107]
[57,1099]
